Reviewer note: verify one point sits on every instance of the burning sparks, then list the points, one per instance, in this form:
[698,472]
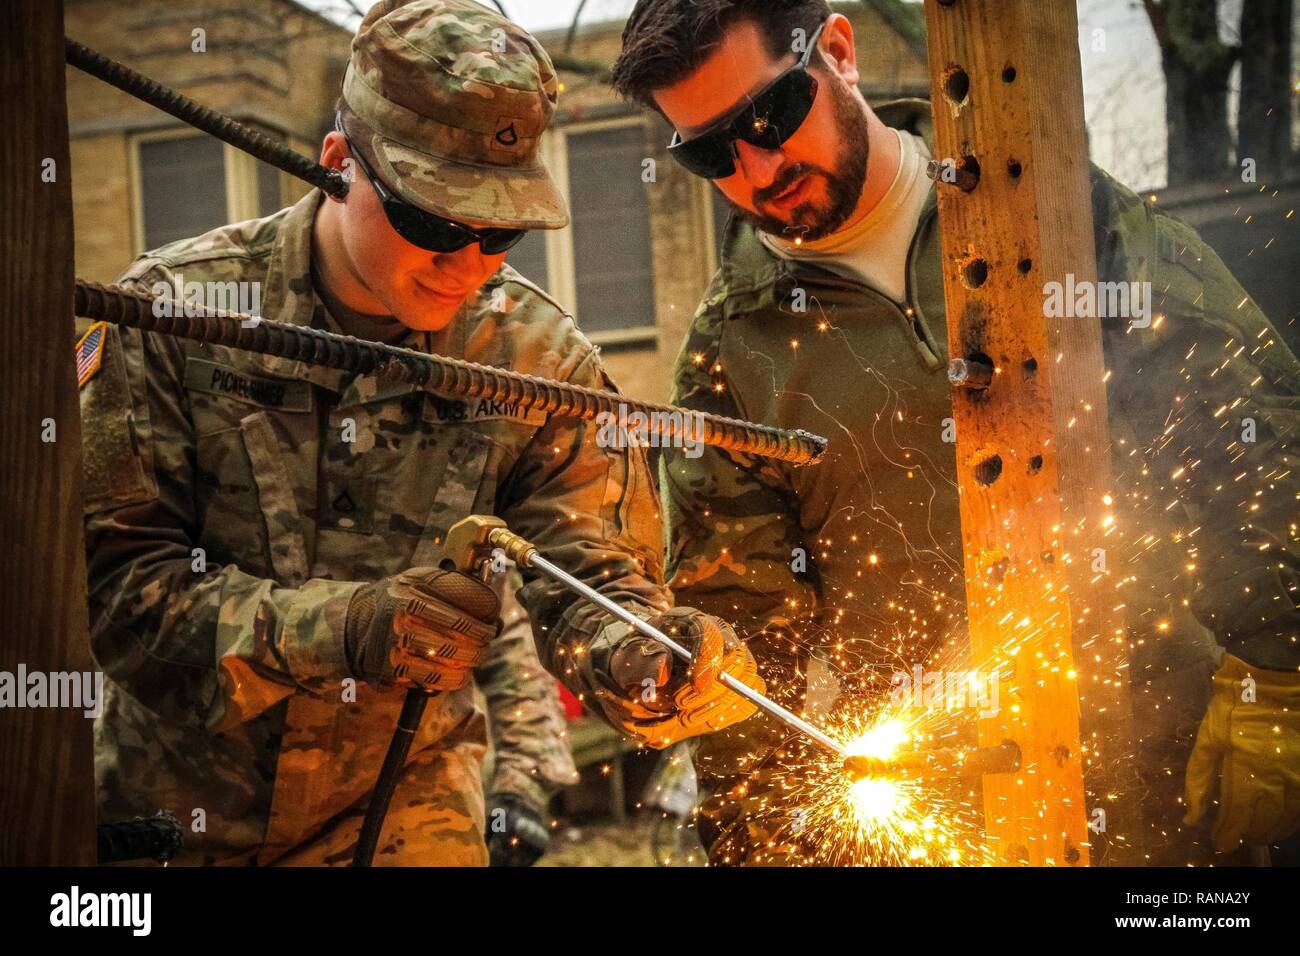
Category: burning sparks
[881,741]
[1137,547]
[892,818]
[876,801]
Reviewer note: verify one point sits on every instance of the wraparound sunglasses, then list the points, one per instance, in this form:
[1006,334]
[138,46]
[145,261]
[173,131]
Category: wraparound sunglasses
[769,119]
[428,231]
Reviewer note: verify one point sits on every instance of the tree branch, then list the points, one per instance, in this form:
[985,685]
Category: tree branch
[1156,14]
[573,27]
[583,67]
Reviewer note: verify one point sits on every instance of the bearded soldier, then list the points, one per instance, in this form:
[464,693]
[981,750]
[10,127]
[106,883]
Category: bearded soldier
[835,244]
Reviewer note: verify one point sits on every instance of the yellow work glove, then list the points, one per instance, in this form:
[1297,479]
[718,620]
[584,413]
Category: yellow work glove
[668,702]
[1247,754]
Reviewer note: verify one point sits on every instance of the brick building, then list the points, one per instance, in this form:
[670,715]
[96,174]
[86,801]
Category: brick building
[632,265]
[141,178]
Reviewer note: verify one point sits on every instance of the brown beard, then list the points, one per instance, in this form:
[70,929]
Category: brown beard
[844,183]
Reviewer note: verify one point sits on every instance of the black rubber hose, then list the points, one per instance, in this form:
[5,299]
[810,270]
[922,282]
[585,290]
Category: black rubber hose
[407,724]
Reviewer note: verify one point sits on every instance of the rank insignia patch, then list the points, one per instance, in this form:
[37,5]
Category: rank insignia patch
[90,353]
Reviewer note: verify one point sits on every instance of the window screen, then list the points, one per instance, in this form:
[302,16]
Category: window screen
[529,259]
[268,189]
[183,188]
[611,229]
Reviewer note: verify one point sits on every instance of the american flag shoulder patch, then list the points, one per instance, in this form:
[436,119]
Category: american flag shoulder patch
[90,353]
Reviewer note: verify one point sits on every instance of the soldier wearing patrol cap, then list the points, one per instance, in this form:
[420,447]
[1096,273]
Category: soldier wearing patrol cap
[257,527]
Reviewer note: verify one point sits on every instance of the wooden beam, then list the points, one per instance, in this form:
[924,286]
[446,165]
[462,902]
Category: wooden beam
[1032,448]
[47,788]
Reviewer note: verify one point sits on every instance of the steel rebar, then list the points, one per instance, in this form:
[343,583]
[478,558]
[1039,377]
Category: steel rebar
[201,117]
[433,372]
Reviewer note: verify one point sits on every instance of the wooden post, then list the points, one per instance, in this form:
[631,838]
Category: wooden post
[47,785]
[1032,448]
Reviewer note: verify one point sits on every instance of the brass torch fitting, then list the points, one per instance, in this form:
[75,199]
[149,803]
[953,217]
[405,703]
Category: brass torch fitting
[517,549]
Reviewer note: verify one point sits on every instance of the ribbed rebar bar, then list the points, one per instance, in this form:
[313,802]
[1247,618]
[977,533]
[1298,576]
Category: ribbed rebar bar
[201,117]
[435,373]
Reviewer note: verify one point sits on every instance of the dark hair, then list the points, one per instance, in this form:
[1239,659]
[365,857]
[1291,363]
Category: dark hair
[665,41]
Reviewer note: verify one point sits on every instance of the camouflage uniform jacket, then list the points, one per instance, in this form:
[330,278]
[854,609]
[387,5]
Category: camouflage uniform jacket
[529,754]
[236,501]
[1213,546]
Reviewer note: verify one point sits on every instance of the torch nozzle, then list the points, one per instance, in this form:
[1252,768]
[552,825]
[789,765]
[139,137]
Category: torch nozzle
[859,768]
[943,762]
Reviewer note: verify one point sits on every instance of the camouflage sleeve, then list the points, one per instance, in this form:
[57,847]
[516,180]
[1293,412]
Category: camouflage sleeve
[733,527]
[1207,393]
[525,719]
[209,646]
[592,511]
[733,531]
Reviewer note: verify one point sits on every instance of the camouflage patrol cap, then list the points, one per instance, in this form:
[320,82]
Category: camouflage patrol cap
[453,99]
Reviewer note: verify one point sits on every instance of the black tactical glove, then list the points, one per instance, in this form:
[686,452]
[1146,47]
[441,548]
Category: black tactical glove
[516,832]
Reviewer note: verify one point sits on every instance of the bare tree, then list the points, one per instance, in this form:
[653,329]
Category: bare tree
[573,26]
[1196,65]
[1264,119]
[590,69]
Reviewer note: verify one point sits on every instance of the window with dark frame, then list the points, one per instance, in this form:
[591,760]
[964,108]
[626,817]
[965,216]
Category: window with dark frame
[182,188]
[529,259]
[612,261]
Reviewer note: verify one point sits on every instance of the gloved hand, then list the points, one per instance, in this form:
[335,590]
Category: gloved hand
[516,831]
[666,701]
[1247,754]
[423,628]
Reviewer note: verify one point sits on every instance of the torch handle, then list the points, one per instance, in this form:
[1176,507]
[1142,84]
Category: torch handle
[526,556]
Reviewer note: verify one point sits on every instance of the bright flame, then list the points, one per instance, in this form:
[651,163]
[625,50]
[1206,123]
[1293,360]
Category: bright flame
[888,818]
[881,741]
[876,801]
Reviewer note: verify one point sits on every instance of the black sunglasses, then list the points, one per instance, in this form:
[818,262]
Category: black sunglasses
[431,232]
[766,121]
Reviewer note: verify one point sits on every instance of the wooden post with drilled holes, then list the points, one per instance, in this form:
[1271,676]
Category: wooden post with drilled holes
[1032,448]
